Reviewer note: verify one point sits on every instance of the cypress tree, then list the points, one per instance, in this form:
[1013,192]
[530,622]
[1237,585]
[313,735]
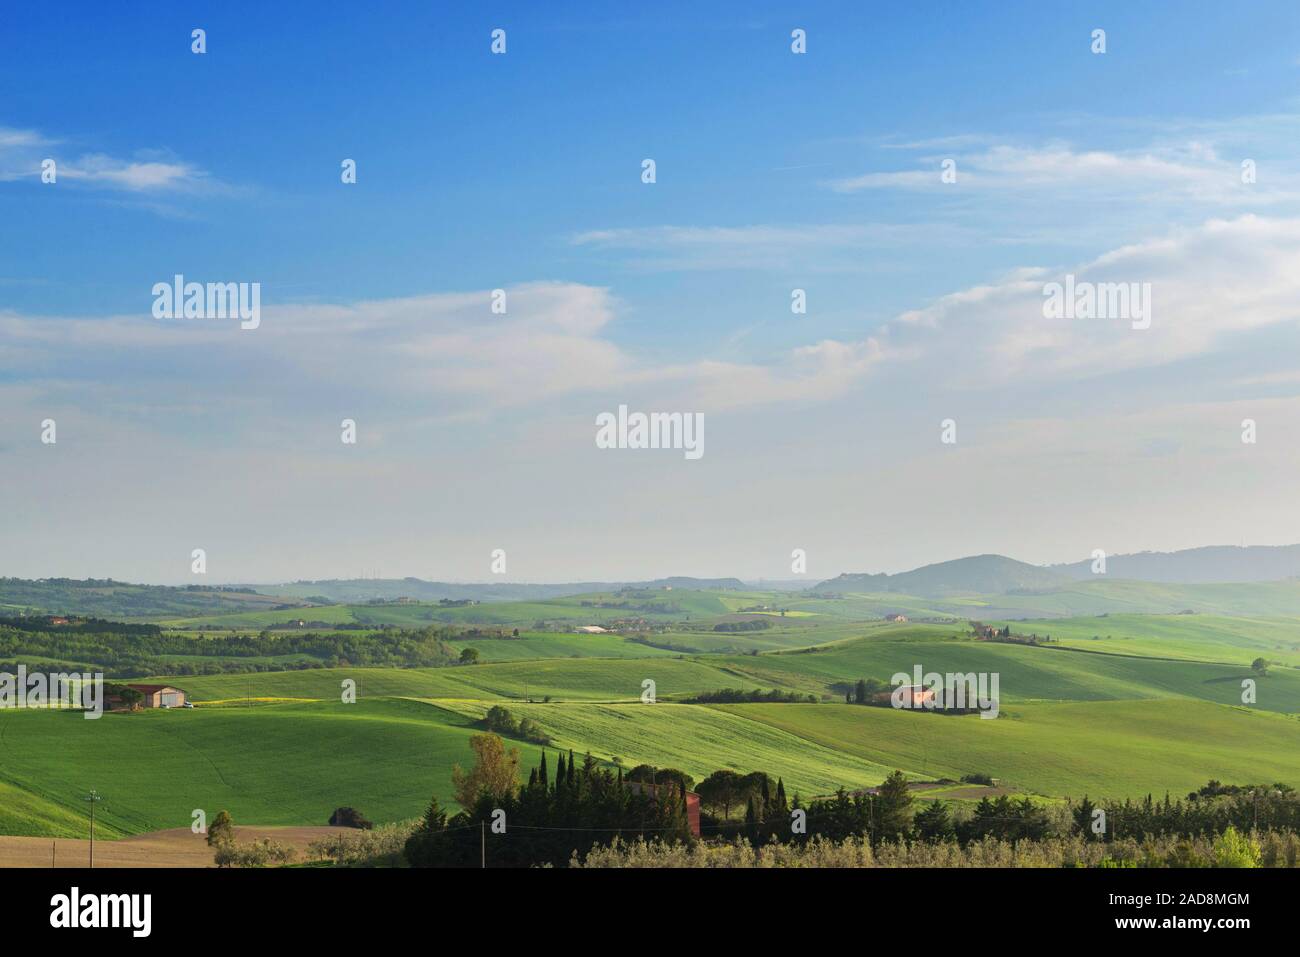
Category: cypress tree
[541,773]
[570,780]
[751,822]
[559,772]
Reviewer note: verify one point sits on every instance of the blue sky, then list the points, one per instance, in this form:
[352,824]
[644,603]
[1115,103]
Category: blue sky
[775,171]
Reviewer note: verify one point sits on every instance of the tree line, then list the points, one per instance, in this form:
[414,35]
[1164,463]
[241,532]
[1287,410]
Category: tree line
[553,817]
[128,651]
[561,818]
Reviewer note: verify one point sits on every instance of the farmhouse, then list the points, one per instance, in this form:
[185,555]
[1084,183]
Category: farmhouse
[895,618]
[909,696]
[692,801]
[160,696]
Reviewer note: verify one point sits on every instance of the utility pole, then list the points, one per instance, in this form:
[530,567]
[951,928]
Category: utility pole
[94,799]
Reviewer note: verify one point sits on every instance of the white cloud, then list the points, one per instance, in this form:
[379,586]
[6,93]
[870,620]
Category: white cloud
[22,152]
[97,169]
[1207,283]
[1190,170]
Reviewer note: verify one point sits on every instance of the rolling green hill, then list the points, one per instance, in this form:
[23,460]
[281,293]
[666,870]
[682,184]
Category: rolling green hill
[1118,705]
[1026,673]
[1120,749]
[105,598]
[1196,637]
[567,679]
[273,764]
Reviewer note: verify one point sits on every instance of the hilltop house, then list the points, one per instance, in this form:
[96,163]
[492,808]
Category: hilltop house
[895,617]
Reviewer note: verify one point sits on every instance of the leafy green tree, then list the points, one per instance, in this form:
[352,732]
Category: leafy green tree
[494,773]
[1234,849]
[649,774]
[350,817]
[720,791]
[469,656]
[499,720]
[222,829]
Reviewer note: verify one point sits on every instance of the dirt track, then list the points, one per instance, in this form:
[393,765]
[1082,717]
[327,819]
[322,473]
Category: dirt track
[177,847]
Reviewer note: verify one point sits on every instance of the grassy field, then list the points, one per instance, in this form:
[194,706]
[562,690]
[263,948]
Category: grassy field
[274,764]
[1026,673]
[1119,748]
[593,609]
[1194,637]
[533,646]
[1122,705]
[1098,597]
[565,679]
[698,739]
[292,763]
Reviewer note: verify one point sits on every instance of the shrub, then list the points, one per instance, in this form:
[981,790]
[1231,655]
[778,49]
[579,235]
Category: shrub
[261,853]
[349,817]
[1234,849]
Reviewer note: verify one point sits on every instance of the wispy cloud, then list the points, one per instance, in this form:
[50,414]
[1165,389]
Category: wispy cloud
[148,171]
[763,246]
[1192,170]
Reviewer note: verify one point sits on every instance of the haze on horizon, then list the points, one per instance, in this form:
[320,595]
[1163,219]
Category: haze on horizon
[817,172]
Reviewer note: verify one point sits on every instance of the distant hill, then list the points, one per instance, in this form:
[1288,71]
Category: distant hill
[106,598]
[978,574]
[356,590]
[701,584]
[360,590]
[1214,563]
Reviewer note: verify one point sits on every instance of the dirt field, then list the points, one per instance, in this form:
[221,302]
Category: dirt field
[177,847]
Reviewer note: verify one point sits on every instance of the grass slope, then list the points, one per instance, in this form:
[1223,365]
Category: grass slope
[1196,637]
[1119,748]
[699,740]
[272,764]
[591,679]
[1026,673]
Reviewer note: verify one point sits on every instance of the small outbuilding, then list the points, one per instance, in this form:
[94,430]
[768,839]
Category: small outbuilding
[160,696]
